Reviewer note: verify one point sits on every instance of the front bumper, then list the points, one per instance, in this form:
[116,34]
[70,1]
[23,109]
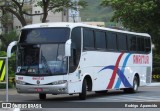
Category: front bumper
[47,89]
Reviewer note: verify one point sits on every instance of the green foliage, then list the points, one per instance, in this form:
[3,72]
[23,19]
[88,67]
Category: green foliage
[3,86]
[140,16]
[6,19]
[137,15]
[11,36]
[95,12]
[19,9]
[8,38]
[156,64]
[60,5]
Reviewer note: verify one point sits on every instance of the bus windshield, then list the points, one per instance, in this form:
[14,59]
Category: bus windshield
[41,51]
[45,35]
[41,59]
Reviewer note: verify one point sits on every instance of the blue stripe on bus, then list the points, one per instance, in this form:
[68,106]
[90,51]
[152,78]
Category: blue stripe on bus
[120,74]
[123,69]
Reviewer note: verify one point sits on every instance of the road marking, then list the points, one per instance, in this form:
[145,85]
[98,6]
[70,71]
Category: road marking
[133,98]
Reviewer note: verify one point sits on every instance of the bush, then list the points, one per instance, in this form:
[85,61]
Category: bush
[3,86]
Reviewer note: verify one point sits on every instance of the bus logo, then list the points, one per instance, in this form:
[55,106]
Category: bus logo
[38,82]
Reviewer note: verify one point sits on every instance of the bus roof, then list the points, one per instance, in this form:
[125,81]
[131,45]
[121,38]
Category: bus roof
[72,25]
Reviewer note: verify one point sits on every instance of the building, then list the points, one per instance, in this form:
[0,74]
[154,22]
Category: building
[74,15]
[100,24]
[67,15]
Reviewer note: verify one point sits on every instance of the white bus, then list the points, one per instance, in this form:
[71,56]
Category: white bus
[74,58]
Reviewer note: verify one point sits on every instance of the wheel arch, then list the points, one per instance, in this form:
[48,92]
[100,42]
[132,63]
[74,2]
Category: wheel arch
[89,82]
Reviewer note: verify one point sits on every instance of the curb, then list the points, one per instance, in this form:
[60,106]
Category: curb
[154,84]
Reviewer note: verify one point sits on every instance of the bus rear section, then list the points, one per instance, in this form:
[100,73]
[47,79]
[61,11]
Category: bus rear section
[116,59]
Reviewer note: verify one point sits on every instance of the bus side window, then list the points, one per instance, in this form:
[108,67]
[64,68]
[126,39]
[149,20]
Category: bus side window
[132,43]
[140,44]
[75,49]
[88,39]
[100,40]
[111,41]
[122,42]
[147,43]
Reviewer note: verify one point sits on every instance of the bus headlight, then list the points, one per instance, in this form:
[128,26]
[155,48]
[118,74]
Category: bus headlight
[59,82]
[20,82]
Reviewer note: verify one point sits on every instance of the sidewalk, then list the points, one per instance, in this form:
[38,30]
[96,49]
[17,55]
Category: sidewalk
[154,84]
[6,109]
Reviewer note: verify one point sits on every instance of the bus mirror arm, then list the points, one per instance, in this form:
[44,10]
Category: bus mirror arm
[9,48]
[68,48]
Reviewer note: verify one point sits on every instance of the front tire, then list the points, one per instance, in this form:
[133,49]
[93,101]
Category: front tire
[83,94]
[42,96]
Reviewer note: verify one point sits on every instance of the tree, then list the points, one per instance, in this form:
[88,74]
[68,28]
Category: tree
[58,6]
[17,8]
[7,38]
[6,21]
[138,15]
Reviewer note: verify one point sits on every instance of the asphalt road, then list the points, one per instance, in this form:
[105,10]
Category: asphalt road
[145,94]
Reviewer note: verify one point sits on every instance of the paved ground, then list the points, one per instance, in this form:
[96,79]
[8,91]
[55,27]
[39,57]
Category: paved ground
[149,93]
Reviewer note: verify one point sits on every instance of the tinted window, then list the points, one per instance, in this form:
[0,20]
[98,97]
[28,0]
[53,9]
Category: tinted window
[100,42]
[111,41]
[122,42]
[147,43]
[44,35]
[140,44]
[131,42]
[76,38]
[75,49]
[88,39]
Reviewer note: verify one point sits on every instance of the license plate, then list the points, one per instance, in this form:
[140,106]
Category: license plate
[38,89]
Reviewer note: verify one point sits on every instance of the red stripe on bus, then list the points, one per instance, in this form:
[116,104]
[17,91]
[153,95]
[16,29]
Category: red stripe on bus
[110,85]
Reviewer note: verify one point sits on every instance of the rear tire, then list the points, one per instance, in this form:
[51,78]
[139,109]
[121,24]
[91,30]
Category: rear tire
[83,94]
[42,96]
[101,92]
[134,89]
[135,85]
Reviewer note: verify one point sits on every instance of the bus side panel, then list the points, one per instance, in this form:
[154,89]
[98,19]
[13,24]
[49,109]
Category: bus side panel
[103,65]
[74,82]
[101,79]
[93,62]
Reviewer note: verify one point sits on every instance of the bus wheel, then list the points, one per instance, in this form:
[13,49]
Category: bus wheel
[82,95]
[135,85]
[134,89]
[42,96]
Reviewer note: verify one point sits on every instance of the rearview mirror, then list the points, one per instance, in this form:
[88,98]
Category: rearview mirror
[68,48]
